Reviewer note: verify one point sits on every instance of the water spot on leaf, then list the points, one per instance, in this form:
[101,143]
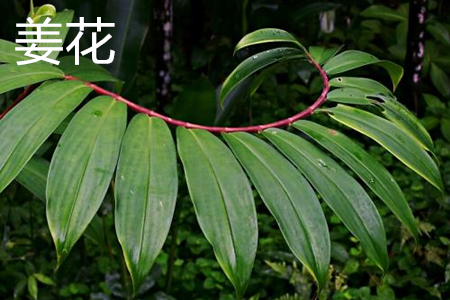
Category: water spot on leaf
[321,163]
[97,113]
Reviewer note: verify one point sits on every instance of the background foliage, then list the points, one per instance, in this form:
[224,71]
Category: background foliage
[205,33]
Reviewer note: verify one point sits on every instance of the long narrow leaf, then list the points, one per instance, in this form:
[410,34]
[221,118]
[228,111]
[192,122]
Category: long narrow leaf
[267,35]
[146,191]
[392,138]
[255,63]
[376,177]
[25,128]
[352,59]
[223,202]
[290,199]
[8,53]
[400,115]
[13,76]
[339,190]
[363,84]
[81,170]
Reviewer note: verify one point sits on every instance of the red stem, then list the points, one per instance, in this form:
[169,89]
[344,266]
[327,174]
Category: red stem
[257,128]
[25,93]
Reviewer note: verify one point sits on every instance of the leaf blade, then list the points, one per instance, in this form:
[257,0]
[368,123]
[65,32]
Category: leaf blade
[352,59]
[25,128]
[341,192]
[146,190]
[376,177]
[13,76]
[267,35]
[256,63]
[392,138]
[280,185]
[217,184]
[90,156]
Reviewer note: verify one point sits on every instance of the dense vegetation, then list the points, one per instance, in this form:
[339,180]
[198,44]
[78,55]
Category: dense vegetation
[185,85]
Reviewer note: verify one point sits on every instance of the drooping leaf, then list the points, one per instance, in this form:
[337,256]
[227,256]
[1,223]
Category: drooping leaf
[376,177]
[81,170]
[8,53]
[86,70]
[223,202]
[267,35]
[255,63]
[62,18]
[382,12]
[352,59]
[392,138]
[360,83]
[13,76]
[25,128]
[339,190]
[289,198]
[397,113]
[146,192]
[34,176]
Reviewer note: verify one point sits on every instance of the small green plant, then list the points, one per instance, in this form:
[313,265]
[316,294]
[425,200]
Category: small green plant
[98,148]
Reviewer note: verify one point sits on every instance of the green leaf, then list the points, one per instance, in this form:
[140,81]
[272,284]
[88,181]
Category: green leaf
[397,113]
[256,63]
[322,54]
[350,96]
[383,13]
[13,76]
[86,70]
[440,80]
[364,84]
[34,176]
[290,199]
[392,138]
[44,279]
[32,287]
[25,128]
[132,20]
[267,35]
[376,177]
[81,170]
[63,18]
[353,59]
[339,190]
[146,193]
[223,202]
[8,53]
